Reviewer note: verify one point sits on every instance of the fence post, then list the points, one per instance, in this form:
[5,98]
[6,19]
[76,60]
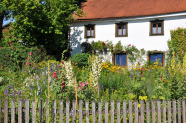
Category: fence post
[142,110]
[174,111]
[0,110]
[153,112]
[100,111]
[61,111]
[93,112]
[169,111]
[124,111]
[6,111]
[112,111]
[183,111]
[67,111]
[118,111]
[13,111]
[87,111]
[179,111]
[159,110]
[74,110]
[164,111]
[130,111]
[41,111]
[20,111]
[33,112]
[106,111]
[27,111]
[136,111]
[148,111]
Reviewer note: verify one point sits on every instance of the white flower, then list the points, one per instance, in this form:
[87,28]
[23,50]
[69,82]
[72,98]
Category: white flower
[29,81]
[1,79]
[69,73]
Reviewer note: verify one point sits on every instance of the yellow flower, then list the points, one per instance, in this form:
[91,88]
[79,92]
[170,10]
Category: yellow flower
[139,105]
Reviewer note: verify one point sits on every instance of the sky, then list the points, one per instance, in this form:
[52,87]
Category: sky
[7,21]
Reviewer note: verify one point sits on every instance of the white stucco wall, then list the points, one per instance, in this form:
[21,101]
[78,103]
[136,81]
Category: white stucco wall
[138,32]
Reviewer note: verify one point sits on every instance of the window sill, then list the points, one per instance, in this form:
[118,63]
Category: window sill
[156,35]
[121,36]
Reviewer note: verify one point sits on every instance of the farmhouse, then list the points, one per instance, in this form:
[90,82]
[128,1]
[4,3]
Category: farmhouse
[143,23]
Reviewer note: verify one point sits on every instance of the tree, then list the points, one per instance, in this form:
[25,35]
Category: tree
[43,22]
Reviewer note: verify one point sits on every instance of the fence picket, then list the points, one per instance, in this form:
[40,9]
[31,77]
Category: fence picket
[33,111]
[47,110]
[142,110]
[169,111]
[61,111]
[124,112]
[13,111]
[118,111]
[74,110]
[54,111]
[183,111]
[174,111]
[164,111]
[20,111]
[41,111]
[6,111]
[112,111]
[159,110]
[67,110]
[179,111]
[106,111]
[93,112]
[27,111]
[147,111]
[130,111]
[100,111]
[136,111]
[87,111]
[80,111]
[153,112]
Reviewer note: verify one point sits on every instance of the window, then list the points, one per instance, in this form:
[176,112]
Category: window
[90,31]
[121,59]
[156,27]
[156,57]
[121,29]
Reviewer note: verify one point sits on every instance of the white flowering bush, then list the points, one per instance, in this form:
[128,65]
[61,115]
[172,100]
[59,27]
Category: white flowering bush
[96,70]
[69,73]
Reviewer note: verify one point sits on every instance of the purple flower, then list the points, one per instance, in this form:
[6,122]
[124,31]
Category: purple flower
[10,87]
[6,91]
[13,94]
[19,92]
[31,88]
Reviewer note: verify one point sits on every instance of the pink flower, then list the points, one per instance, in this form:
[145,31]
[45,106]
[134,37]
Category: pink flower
[142,75]
[129,45]
[86,82]
[82,84]
[54,74]
[28,58]
[30,53]
[79,88]
[10,43]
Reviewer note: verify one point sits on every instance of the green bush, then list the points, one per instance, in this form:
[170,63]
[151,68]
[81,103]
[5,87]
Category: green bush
[81,59]
[13,58]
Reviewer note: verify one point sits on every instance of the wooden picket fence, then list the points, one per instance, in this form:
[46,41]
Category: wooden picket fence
[151,112]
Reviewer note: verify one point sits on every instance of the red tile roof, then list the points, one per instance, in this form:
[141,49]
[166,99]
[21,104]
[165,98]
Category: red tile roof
[104,9]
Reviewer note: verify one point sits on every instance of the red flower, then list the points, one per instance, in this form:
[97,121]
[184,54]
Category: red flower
[103,43]
[10,43]
[54,74]
[28,58]
[142,75]
[63,85]
[160,77]
[30,53]
[62,62]
[164,80]
[129,45]
[59,66]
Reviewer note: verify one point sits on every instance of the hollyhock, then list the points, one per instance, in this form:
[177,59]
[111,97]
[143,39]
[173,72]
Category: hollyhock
[79,88]
[63,85]
[86,82]
[54,74]
[10,43]
[30,53]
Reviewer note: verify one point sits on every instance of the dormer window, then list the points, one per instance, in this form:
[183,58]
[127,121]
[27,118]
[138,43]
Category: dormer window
[121,29]
[156,27]
[90,31]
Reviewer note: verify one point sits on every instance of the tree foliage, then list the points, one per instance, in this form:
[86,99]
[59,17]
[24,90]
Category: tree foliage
[42,22]
[178,42]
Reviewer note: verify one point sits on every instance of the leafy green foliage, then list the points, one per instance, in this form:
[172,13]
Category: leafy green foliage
[178,42]
[43,23]
[81,59]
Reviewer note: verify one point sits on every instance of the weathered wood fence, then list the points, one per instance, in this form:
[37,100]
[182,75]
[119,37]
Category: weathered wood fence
[125,111]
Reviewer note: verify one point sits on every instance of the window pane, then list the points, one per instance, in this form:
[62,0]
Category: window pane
[88,32]
[92,32]
[159,30]
[120,59]
[119,31]
[123,59]
[156,57]
[124,31]
[154,30]
[124,26]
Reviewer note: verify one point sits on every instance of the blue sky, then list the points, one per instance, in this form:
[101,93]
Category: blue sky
[7,21]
